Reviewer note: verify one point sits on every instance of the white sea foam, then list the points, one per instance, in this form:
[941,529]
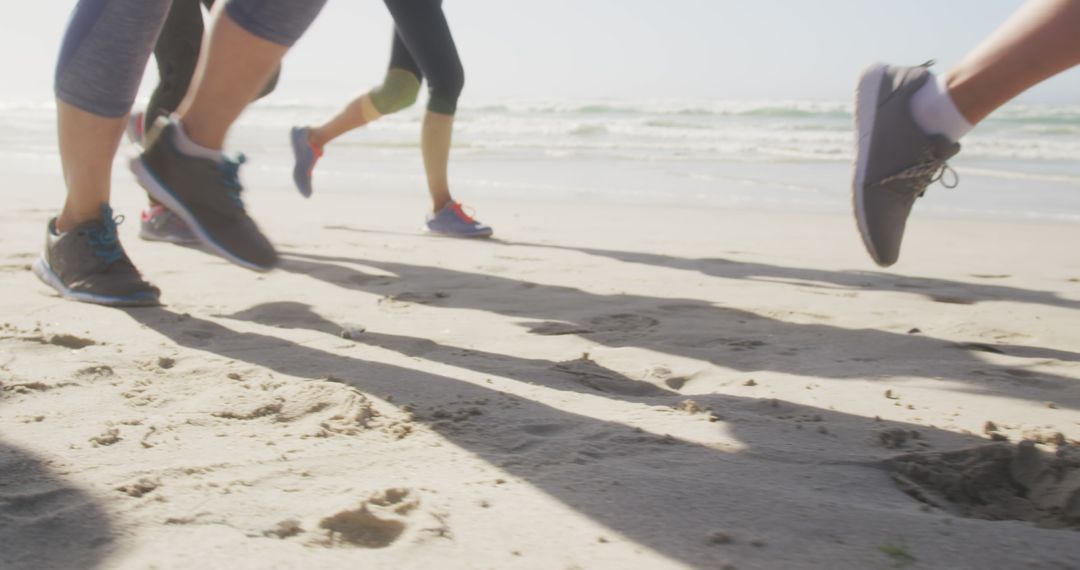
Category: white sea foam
[731,151]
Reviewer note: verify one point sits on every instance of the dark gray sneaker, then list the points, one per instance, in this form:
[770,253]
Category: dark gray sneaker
[894,160]
[88,264]
[205,194]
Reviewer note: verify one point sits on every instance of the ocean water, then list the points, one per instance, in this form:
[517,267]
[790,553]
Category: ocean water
[1023,163]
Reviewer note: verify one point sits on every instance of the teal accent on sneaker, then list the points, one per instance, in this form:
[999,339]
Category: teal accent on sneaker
[452,221]
[305,155]
[88,264]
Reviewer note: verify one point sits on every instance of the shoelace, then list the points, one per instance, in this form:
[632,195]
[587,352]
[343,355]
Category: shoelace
[230,172]
[931,170]
[459,209]
[104,240]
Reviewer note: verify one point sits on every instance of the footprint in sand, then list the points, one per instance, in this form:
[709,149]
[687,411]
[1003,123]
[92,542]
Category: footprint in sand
[370,280]
[544,430]
[746,344]
[623,322]
[588,373]
[997,482]
[62,340]
[951,300]
[407,300]
[555,328]
[379,521]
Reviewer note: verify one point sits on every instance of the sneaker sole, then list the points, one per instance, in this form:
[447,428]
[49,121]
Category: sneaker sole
[159,192]
[866,98]
[460,236]
[47,276]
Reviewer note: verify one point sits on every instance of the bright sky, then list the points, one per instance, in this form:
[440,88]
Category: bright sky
[777,49]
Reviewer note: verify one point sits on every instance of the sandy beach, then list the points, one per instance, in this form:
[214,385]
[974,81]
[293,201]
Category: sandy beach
[603,386]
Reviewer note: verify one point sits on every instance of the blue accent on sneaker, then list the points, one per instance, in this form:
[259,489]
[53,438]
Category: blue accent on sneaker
[104,239]
[230,177]
[305,156]
[452,221]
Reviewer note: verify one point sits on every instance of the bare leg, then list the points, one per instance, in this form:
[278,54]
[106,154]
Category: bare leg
[238,65]
[356,114]
[88,144]
[1039,41]
[435,141]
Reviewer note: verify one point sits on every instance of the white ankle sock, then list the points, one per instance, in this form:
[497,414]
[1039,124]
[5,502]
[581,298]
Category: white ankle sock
[190,148]
[935,112]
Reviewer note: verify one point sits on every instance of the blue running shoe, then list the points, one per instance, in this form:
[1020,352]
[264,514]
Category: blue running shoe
[305,155]
[454,222]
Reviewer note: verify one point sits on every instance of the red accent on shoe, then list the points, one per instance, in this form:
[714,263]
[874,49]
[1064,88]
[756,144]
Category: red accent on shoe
[152,211]
[457,208]
[318,152]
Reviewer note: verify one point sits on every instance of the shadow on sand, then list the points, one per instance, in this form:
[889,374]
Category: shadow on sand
[46,522]
[728,337]
[660,492]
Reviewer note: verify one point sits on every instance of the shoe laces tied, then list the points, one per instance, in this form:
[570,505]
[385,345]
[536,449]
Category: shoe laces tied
[932,169]
[230,172]
[105,240]
[459,210]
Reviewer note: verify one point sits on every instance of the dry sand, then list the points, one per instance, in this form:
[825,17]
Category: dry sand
[601,387]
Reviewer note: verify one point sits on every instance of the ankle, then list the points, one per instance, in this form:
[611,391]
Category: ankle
[69,219]
[935,111]
[437,204]
[187,145]
[316,140]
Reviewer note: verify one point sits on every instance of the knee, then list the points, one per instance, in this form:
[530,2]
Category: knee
[446,90]
[397,92]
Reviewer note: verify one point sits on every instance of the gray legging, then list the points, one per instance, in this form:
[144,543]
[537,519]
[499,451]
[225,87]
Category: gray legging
[108,43]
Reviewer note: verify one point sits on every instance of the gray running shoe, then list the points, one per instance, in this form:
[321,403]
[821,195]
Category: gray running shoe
[205,194]
[88,264]
[161,224]
[305,155]
[894,160]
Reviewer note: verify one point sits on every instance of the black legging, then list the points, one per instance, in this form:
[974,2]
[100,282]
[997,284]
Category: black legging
[424,46]
[177,54]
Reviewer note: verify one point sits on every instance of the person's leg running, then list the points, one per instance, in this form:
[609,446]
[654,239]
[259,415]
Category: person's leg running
[183,165]
[397,92]
[104,52]
[908,122]
[1039,41]
[245,47]
[177,54]
[423,28]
